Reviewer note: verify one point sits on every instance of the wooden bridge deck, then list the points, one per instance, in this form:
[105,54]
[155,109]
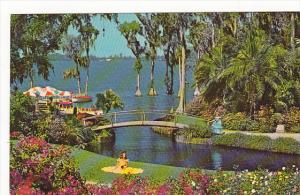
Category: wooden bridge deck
[142,123]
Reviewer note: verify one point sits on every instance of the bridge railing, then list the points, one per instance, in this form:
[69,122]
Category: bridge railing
[148,115]
[135,115]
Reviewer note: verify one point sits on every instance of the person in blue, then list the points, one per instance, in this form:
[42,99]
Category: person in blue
[216,126]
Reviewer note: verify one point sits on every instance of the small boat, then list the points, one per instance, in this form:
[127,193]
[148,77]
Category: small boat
[67,103]
[108,59]
[81,98]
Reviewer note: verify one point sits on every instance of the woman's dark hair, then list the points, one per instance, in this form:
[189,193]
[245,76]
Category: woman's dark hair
[122,152]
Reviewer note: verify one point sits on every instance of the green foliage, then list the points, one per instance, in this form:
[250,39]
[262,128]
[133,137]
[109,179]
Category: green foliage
[105,133]
[109,100]
[239,121]
[292,120]
[195,131]
[129,27]
[22,110]
[60,132]
[286,145]
[257,142]
[294,129]
[267,119]
[33,37]
[138,65]
[261,71]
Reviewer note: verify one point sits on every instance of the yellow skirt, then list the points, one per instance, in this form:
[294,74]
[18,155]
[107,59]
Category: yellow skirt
[128,170]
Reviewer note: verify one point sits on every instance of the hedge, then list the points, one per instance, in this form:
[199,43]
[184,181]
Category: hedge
[258,142]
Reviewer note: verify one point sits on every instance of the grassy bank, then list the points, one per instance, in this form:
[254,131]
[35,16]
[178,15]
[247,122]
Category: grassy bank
[258,142]
[90,165]
[191,120]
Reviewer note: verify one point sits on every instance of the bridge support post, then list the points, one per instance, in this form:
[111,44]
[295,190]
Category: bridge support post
[115,117]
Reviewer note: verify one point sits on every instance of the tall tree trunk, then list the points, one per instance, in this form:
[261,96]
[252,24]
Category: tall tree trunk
[197,92]
[78,76]
[181,107]
[78,85]
[138,91]
[213,36]
[31,78]
[31,70]
[171,91]
[167,79]
[293,32]
[87,81]
[234,27]
[152,91]
[180,77]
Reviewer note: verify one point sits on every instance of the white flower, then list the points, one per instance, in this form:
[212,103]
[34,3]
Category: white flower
[253,182]
[193,183]
[215,180]
[253,190]
[283,168]
[266,182]
[294,166]
[270,174]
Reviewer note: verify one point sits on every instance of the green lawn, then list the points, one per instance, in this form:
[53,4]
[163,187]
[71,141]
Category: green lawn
[191,120]
[90,165]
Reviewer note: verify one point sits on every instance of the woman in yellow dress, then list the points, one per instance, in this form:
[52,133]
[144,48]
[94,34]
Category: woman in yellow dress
[122,162]
[122,166]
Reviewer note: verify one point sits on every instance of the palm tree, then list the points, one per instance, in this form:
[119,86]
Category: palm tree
[73,47]
[89,35]
[256,70]
[109,100]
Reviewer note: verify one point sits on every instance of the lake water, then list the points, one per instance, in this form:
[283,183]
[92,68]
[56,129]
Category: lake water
[141,143]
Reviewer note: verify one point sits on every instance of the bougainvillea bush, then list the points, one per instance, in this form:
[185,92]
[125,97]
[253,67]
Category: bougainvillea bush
[37,166]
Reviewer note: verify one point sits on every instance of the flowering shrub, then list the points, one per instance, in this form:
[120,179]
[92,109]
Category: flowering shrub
[285,181]
[41,167]
[190,182]
[15,134]
[239,121]
[292,120]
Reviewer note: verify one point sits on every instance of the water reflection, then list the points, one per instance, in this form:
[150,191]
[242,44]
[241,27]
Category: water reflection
[217,160]
[143,145]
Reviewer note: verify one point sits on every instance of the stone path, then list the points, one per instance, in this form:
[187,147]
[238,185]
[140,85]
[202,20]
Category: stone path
[295,136]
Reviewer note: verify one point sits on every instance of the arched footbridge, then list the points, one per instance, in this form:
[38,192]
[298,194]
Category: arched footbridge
[161,118]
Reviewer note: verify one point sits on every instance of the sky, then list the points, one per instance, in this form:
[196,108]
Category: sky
[111,42]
